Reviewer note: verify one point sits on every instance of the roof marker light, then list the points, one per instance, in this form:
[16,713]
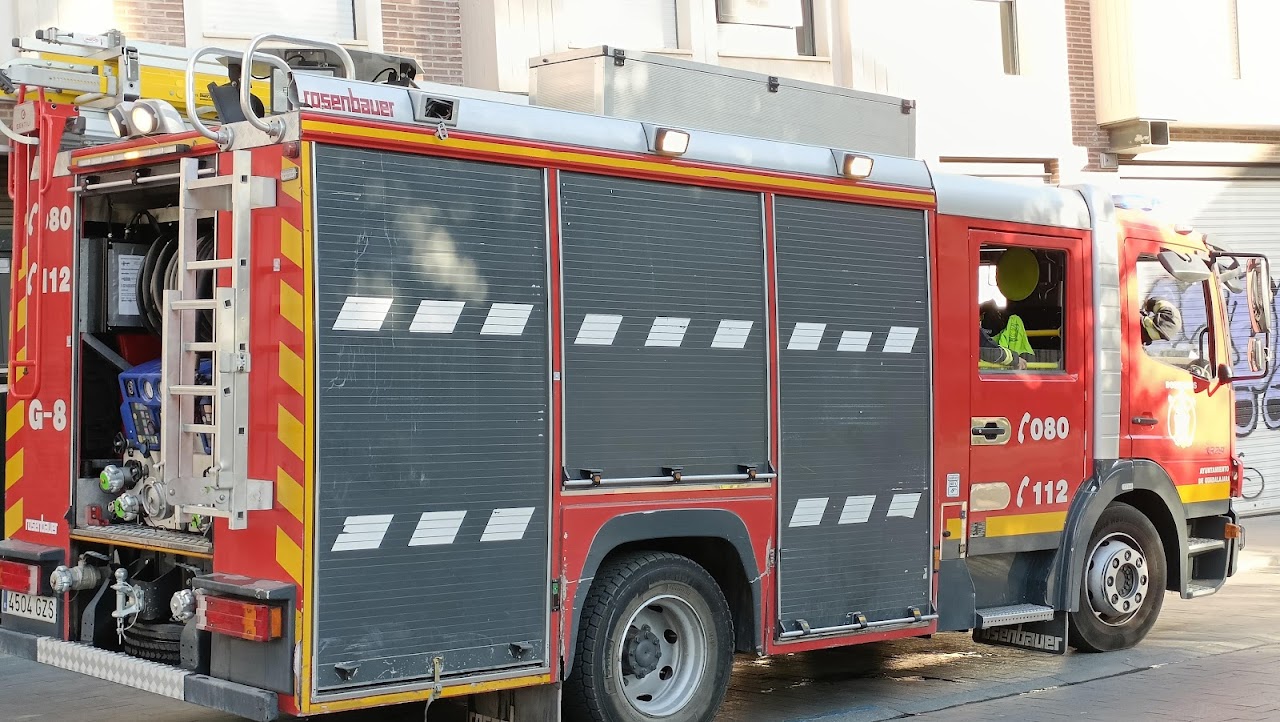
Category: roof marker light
[670,142]
[856,167]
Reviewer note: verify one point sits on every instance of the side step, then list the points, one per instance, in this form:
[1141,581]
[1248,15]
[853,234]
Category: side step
[1013,614]
[1196,547]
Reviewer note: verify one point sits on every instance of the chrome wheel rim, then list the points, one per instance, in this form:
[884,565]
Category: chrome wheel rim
[661,656]
[1117,579]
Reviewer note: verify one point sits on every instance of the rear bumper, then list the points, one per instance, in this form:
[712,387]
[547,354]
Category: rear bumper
[162,679]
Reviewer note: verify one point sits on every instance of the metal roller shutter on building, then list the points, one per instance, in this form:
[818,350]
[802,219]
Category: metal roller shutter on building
[1245,214]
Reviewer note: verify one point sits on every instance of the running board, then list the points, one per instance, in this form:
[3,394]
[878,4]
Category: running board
[1013,614]
[1196,547]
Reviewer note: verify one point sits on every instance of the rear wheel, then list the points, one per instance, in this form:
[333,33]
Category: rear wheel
[1124,582]
[654,643]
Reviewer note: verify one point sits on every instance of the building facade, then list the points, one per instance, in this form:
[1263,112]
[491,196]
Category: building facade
[1171,99]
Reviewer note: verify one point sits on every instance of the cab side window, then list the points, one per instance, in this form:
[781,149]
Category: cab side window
[1021,295]
[1173,317]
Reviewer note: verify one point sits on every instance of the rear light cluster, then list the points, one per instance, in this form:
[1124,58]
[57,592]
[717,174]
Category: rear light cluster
[254,621]
[19,577]
[1237,478]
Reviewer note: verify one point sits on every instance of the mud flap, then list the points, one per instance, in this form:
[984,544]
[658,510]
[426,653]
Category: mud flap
[1048,636]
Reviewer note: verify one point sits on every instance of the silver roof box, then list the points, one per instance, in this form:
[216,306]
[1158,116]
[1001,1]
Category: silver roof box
[668,91]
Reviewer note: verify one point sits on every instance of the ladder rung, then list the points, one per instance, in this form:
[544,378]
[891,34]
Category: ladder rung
[193,390]
[200,346]
[213,181]
[194,304]
[212,264]
[199,429]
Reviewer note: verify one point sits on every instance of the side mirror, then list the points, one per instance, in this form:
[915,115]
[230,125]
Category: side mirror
[1224,374]
[1259,356]
[1186,269]
[1259,288]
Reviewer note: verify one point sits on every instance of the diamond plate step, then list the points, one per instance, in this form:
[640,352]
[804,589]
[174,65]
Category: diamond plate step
[1013,614]
[1200,589]
[147,537]
[1197,546]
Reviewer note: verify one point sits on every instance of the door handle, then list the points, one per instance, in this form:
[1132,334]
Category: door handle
[1145,420]
[989,430]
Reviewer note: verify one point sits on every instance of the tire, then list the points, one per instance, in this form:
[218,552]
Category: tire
[154,642]
[685,666]
[1126,558]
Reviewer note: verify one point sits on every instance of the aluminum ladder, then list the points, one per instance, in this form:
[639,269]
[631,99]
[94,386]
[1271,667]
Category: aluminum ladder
[226,490]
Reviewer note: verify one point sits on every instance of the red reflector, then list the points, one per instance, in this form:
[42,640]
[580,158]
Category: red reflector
[233,617]
[1236,487]
[19,577]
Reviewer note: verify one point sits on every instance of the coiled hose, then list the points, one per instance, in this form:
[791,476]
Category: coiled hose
[160,268]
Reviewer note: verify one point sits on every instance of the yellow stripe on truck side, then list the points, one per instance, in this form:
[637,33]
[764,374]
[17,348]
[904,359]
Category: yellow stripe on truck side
[1217,491]
[1016,524]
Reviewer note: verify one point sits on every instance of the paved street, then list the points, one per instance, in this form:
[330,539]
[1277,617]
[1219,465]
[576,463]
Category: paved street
[1212,658]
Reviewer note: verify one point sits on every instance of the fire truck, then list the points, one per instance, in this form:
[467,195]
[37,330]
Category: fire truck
[331,389]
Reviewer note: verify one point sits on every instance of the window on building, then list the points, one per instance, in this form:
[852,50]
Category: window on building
[1021,296]
[989,28]
[627,24]
[1233,37]
[767,27]
[1192,342]
[325,19]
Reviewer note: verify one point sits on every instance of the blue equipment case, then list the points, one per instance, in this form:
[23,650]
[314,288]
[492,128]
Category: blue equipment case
[140,412]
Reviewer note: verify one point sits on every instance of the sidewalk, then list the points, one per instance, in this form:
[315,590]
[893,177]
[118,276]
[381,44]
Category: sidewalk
[1232,686]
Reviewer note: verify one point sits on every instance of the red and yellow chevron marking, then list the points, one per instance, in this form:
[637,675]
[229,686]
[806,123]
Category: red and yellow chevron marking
[16,417]
[289,411]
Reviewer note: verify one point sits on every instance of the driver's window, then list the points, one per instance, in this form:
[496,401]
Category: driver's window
[1173,317]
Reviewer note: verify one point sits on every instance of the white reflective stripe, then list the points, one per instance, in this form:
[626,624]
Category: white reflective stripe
[362,313]
[902,339]
[854,341]
[667,331]
[507,319]
[436,316]
[904,505]
[507,524]
[437,527]
[598,329]
[857,509]
[806,336]
[363,532]
[808,512]
[732,333]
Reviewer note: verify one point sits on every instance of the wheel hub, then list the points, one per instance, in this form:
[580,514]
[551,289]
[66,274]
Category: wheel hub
[1118,577]
[643,652]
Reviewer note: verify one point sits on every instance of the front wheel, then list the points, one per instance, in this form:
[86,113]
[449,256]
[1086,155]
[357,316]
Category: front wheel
[1124,582]
[654,643]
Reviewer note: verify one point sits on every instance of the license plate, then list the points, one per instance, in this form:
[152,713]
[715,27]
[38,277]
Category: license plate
[44,609]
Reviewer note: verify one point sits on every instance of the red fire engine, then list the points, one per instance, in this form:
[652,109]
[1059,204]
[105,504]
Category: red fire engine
[371,393]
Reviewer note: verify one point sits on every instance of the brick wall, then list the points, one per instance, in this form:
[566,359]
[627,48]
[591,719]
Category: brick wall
[152,21]
[1085,132]
[428,30]
[1218,135]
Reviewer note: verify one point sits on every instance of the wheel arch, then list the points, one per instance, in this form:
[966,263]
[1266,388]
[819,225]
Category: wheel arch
[716,539]
[1142,484]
